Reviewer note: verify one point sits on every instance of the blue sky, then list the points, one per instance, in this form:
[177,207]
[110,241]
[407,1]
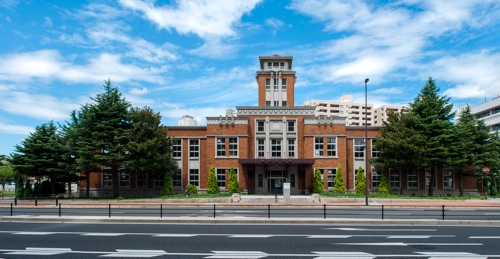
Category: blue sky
[199,57]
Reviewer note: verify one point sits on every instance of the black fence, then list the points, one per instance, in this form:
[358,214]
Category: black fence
[256,211]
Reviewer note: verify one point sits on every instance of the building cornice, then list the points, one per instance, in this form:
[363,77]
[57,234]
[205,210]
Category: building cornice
[275,110]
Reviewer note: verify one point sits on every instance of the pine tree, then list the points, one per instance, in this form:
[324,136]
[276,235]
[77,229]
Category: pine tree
[234,186]
[338,186]
[360,181]
[433,123]
[212,181]
[317,183]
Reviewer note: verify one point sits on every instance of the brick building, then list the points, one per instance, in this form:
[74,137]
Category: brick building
[272,144]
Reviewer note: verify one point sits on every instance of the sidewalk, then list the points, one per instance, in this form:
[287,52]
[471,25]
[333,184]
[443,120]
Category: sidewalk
[259,201]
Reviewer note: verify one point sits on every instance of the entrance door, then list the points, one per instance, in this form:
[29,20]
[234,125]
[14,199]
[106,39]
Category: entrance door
[276,186]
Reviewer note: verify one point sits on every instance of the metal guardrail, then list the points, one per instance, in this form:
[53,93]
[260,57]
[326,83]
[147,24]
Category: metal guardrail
[261,211]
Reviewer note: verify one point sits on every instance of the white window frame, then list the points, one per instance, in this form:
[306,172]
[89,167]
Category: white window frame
[124,178]
[194,177]
[194,149]
[412,180]
[394,179]
[276,147]
[220,147]
[448,182]
[375,152]
[331,147]
[291,147]
[359,148]
[331,173]
[376,179]
[220,174]
[177,149]
[319,147]
[233,147]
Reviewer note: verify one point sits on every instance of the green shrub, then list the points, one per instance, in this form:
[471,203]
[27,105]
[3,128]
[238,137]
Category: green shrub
[27,190]
[234,186]
[383,188]
[212,181]
[191,189]
[317,183]
[338,186]
[168,188]
[360,181]
[493,185]
[19,189]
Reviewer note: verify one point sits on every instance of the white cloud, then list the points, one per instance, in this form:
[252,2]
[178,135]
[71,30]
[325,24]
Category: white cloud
[15,129]
[9,4]
[205,18]
[49,64]
[390,90]
[172,115]
[137,91]
[216,49]
[274,24]
[36,106]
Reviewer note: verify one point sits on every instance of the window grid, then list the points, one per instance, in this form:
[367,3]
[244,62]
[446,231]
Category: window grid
[125,178]
[221,147]
[331,177]
[260,147]
[375,152]
[331,147]
[448,179]
[318,147]
[194,148]
[177,179]
[359,148]
[276,148]
[233,146]
[221,177]
[260,180]
[291,147]
[283,84]
[291,126]
[413,180]
[260,126]
[194,177]
[177,148]
[292,180]
[394,179]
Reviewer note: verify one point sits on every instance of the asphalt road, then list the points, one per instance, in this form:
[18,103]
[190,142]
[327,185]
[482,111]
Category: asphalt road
[261,211]
[85,240]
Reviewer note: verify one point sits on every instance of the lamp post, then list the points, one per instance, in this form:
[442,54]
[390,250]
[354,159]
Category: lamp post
[366,141]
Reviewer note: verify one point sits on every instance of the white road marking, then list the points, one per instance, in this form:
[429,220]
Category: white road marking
[175,235]
[343,255]
[408,236]
[329,236]
[452,255]
[238,254]
[135,253]
[33,233]
[385,229]
[484,237]
[252,236]
[40,251]
[104,234]
[409,244]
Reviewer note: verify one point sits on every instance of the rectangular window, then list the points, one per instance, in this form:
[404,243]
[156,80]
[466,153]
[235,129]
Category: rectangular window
[159,182]
[276,86]
[260,147]
[292,180]
[291,126]
[359,148]
[177,149]
[331,147]
[412,180]
[260,180]
[283,83]
[275,147]
[221,178]
[260,126]
[428,179]
[283,103]
[125,178]
[394,178]
[268,83]
[194,177]
[375,180]
[268,103]
[448,179]
[291,147]
[331,177]
[142,180]
[177,179]
[276,103]
[233,146]
[318,147]
[194,148]
[107,178]
[375,152]
[221,147]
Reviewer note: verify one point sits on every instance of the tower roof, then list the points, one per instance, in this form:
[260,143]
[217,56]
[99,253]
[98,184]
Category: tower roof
[275,57]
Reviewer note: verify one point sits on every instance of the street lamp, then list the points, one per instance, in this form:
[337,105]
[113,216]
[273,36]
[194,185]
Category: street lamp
[366,141]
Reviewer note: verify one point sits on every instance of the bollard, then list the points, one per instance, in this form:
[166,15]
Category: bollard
[161,211]
[36,201]
[442,212]
[109,210]
[214,211]
[268,211]
[15,201]
[11,209]
[59,210]
[324,211]
[382,211]
[57,201]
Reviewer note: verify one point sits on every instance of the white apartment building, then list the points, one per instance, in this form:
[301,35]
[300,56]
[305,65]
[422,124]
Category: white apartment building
[489,112]
[354,113]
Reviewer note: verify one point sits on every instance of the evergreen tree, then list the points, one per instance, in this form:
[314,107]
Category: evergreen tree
[433,123]
[41,154]
[148,146]
[167,185]
[19,188]
[107,119]
[338,186]
[360,181]
[212,181]
[317,183]
[27,190]
[234,186]
[383,188]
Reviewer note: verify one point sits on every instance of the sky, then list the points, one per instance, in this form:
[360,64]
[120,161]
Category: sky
[200,57]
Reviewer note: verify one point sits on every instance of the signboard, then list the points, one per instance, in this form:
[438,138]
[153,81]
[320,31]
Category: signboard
[286,191]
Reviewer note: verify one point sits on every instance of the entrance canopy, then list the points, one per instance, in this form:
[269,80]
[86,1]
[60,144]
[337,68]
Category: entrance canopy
[276,161]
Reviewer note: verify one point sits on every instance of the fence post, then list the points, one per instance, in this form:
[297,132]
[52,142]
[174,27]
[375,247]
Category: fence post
[214,210]
[324,211]
[109,210]
[382,211]
[11,209]
[57,201]
[15,201]
[36,201]
[442,212]
[161,211]
[268,211]
[59,209]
